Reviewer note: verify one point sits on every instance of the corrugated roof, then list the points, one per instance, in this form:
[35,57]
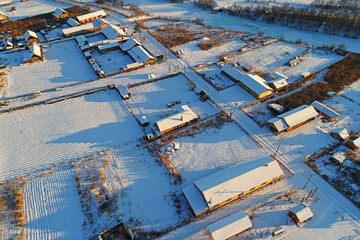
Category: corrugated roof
[278,123]
[230,226]
[255,83]
[302,212]
[139,54]
[100,13]
[29,34]
[88,26]
[325,110]
[112,31]
[58,12]
[233,72]
[298,115]
[232,181]
[129,44]
[184,116]
[72,22]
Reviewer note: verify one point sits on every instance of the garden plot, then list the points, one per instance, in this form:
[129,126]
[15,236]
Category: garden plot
[31,8]
[269,58]
[313,63]
[39,136]
[112,61]
[52,207]
[151,99]
[63,64]
[211,150]
[127,184]
[194,55]
[155,23]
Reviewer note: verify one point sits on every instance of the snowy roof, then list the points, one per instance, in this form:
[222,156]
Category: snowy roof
[129,44]
[302,212]
[305,74]
[81,39]
[232,72]
[184,116]
[99,22]
[139,54]
[58,12]
[35,50]
[246,66]
[355,141]
[133,65]
[293,117]
[108,46]
[255,83]
[88,26]
[342,132]
[278,75]
[29,34]
[112,31]
[230,226]
[279,83]
[100,13]
[324,109]
[339,156]
[195,198]
[72,22]
[2,13]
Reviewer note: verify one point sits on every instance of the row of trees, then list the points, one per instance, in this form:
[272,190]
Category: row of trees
[331,22]
[347,5]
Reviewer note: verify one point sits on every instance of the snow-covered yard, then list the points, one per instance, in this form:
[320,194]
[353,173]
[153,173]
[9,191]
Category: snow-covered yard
[268,58]
[40,136]
[151,99]
[112,61]
[63,64]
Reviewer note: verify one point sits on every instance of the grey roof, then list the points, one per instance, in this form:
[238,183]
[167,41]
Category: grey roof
[302,212]
[232,72]
[72,22]
[112,31]
[108,46]
[29,34]
[139,54]
[255,83]
[58,12]
[129,44]
[325,110]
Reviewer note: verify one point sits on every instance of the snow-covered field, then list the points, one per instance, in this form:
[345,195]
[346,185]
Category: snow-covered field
[39,136]
[52,207]
[31,8]
[269,58]
[63,64]
[214,149]
[151,99]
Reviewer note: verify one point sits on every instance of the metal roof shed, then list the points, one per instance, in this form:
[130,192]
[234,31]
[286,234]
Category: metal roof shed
[129,44]
[340,133]
[59,12]
[229,226]
[300,213]
[329,113]
[113,32]
[256,85]
[140,55]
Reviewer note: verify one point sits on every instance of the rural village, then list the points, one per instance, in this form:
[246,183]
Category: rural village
[147,120]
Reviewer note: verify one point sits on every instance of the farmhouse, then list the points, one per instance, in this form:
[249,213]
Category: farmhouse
[340,133]
[72,22]
[140,55]
[3,16]
[34,54]
[82,29]
[328,113]
[90,17]
[129,44]
[300,213]
[229,226]
[254,84]
[60,13]
[292,119]
[112,32]
[31,37]
[231,183]
[100,23]
[185,116]
[353,143]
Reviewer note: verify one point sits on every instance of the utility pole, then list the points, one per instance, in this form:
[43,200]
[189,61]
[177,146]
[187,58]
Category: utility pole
[307,181]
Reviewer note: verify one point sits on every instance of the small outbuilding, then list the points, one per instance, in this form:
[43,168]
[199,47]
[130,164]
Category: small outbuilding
[72,22]
[31,37]
[90,17]
[34,54]
[3,16]
[340,133]
[300,213]
[229,226]
[353,143]
[325,111]
[82,29]
[60,13]
[338,157]
[108,47]
[247,67]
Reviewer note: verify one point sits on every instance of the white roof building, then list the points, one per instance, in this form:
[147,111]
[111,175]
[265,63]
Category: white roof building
[329,113]
[255,83]
[353,142]
[229,226]
[72,22]
[217,188]
[279,81]
[30,34]
[179,119]
[91,16]
[301,213]
[293,118]
[113,32]
[140,55]
[340,133]
[58,11]
[79,29]
[129,44]
[35,51]
[339,157]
